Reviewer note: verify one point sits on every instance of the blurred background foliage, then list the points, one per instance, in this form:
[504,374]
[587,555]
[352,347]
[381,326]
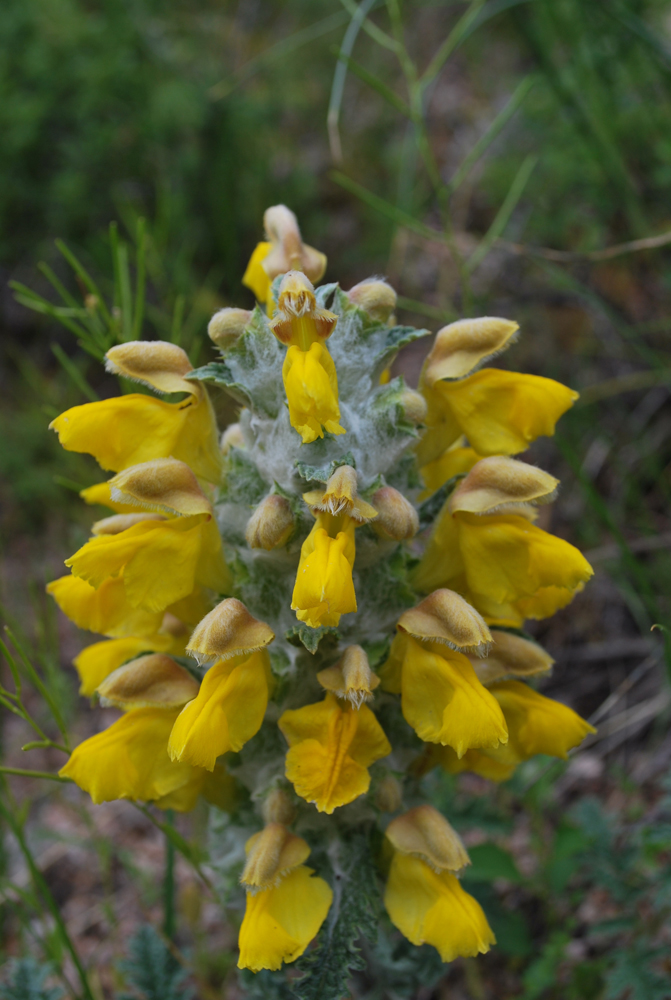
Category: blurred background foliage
[509,157]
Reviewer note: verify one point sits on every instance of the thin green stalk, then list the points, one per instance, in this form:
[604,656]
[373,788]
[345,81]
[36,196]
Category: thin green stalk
[75,374]
[39,684]
[24,773]
[140,279]
[340,75]
[453,40]
[502,217]
[81,271]
[169,882]
[43,890]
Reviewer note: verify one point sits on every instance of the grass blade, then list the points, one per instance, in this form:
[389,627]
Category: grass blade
[502,217]
[340,75]
[75,374]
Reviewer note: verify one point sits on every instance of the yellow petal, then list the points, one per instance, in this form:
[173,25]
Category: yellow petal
[537,724]
[105,610]
[279,923]
[100,494]
[129,760]
[255,277]
[324,589]
[502,412]
[451,463]
[226,714]
[161,561]
[331,747]
[444,702]
[311,386]
[127,430]
[431,908]
[476,761]
[97,662]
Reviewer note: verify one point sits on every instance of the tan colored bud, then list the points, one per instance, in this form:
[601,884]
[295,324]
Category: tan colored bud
[155,363]
[271,524]
[374,296]
[446,617]
[512,656]
[162,484]
[171,625]
[271,854]
[388,795]
[296,300]
[499,484]
[278,808]
[232,438]
[341,496]
[154,681]
[117,523]
[288,252]
[396,517]
[462,346]
[227,325]
[424,833]
[227,631]
[415,408]
[351,677]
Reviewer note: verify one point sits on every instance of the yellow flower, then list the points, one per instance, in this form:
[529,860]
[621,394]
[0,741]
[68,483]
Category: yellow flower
[98,661]
[311,385]
[503,564]
[127,430]
[159,562]
[105,610]
[500,412]
[331,747]
[129,760]
[227,712]
[441,696]
[280,922]
[255,276]
[324,589]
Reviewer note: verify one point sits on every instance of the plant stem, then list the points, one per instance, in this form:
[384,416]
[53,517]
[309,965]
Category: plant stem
[169,883]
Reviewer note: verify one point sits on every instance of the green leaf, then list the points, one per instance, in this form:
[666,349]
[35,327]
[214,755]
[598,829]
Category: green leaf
[302,634]
[542,973]
[322,474]
[242,482]
[489,862]
[633,976]
[353,915]
[25,981]
[151,970]
[218,373]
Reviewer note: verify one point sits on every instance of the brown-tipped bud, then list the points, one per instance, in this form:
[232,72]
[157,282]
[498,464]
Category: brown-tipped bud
[462,346]
[288,252]
[152,681]
[155,363]
[227,631]
[499,484]
[374,296]
[271,524]
[227,325]
[446,617]
[296,300]
[388,795]
[278,808]
[163,484]
[424,833]
[232,437]
[396,517]
[117,523]
[341,496]
[512,656]
[351,677]
[415,407]
[271,854]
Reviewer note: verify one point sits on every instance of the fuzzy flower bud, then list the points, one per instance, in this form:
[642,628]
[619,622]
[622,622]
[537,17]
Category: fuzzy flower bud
[423,833]
[227,325]
[466,344]
[396,517]
[351,677]
[278,808]
[446,617]
[388,795]
[288,252]
[414,405]
[500,484]
[375,297]
[271,524]
[512,656]
[271,854]
[156,363]
[232,437]
[227,631]
[149,681]
[164,484]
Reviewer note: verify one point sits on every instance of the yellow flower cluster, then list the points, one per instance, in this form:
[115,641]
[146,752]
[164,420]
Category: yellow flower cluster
[191,668]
